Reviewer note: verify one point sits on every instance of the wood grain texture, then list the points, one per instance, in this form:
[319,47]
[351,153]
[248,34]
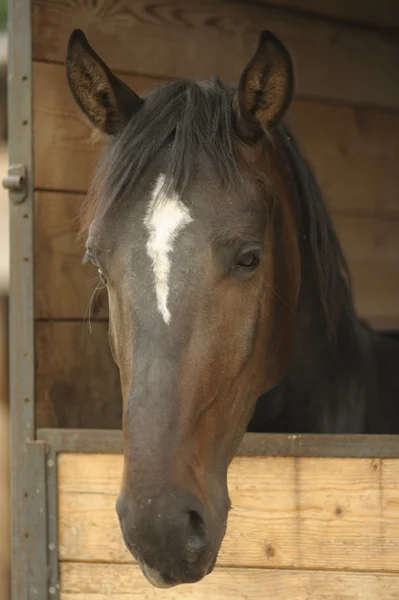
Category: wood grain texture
[77,382]
[315,445]
[354,151]
[64,286]
[118,582]
[384,13]
[183,38]
[307,513]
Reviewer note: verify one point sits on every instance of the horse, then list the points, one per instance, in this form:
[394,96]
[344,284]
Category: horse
[230,302]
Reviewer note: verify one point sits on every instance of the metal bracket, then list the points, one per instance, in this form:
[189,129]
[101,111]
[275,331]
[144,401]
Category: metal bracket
[15,183]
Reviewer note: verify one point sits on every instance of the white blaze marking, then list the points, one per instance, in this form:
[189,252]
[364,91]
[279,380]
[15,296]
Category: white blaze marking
[166,216]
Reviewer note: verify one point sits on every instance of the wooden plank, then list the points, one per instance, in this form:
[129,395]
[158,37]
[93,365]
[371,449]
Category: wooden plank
[372,249]
[384,13]
[354,152]
[117,582]
[77,382]
[183,38]
[64,287]
[308,513]
[252,444]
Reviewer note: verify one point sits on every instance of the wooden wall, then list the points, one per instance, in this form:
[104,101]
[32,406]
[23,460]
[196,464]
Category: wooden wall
[299,529]
[345,114]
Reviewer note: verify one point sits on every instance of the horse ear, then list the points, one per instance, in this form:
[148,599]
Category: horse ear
[102,97]
[266,87]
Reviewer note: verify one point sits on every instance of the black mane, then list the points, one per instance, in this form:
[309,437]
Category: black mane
[329,262]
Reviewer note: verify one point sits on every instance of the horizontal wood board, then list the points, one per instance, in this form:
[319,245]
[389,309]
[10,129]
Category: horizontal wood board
[186,38]
[77,382]
[371,247]
[354,151]
[64,286]
[291,513]
[384,13]
[85,581]
[108,441]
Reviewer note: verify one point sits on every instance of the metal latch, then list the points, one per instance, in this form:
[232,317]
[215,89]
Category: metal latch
[15,183]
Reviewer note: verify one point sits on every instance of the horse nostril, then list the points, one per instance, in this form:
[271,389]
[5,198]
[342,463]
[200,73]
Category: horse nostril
[196,540]
[196,521]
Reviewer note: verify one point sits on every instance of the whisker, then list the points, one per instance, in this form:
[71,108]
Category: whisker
[276,294]
[99,287]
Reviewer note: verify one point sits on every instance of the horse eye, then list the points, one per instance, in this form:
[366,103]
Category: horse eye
[248,260]
[91,256]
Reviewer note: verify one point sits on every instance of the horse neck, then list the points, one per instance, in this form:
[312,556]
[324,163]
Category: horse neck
[326,318]
[332,349]
[326,377]
[325,385]
[318,334]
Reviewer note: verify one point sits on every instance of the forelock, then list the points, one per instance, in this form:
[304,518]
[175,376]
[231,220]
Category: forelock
[187,117]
